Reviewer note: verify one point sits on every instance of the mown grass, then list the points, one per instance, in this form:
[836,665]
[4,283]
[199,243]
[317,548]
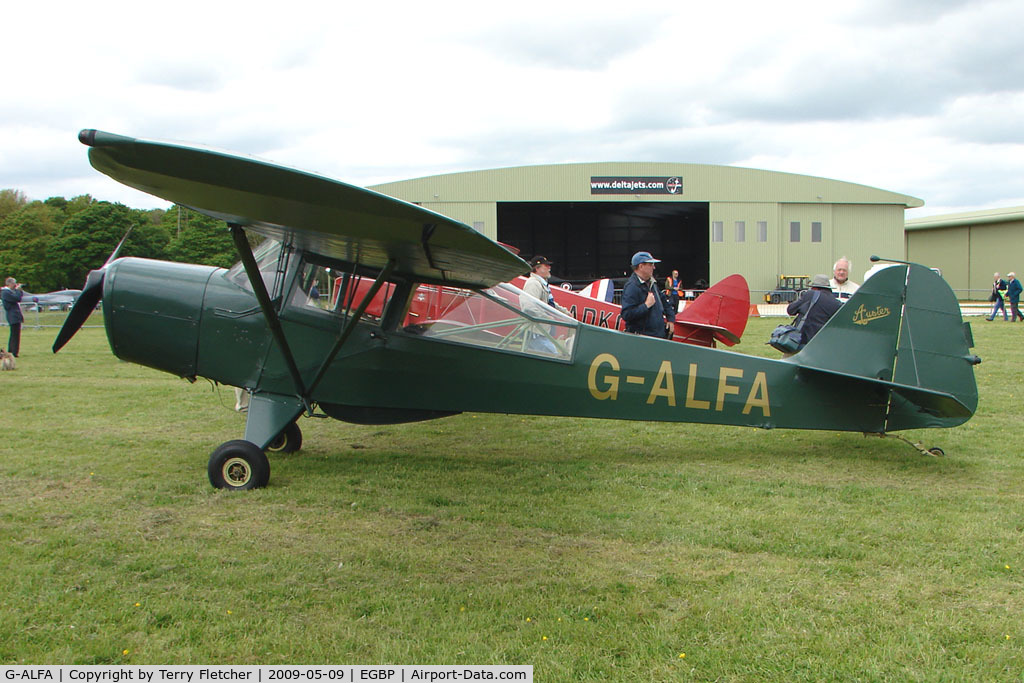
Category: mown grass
[593,550]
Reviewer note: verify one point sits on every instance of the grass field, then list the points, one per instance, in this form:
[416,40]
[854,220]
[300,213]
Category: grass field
[593,550]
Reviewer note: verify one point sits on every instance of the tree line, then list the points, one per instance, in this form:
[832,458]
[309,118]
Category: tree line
[54,243]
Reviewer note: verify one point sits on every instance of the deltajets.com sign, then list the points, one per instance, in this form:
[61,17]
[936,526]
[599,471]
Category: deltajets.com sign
[635,185]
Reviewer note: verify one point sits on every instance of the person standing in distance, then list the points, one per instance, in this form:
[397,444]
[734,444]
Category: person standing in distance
[842,286]
[1013,291]
[998,291]
[644,309]
[11,295]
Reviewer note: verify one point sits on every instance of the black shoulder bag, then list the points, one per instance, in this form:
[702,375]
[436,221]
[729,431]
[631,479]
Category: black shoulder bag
[787,338]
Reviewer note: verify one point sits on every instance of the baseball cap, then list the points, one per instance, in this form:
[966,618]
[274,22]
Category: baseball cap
[643,257]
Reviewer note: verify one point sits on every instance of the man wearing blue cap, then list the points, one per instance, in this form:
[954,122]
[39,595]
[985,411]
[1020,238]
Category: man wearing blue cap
[643,308]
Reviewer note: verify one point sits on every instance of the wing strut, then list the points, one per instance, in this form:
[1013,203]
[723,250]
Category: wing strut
[352,320]
[273,322]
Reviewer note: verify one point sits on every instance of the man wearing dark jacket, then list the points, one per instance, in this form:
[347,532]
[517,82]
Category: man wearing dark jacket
[644,310]
[1013,292]
[998,290]
[11,295]
[823,308]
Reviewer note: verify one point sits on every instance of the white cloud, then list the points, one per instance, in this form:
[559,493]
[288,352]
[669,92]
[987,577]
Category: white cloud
[923,98]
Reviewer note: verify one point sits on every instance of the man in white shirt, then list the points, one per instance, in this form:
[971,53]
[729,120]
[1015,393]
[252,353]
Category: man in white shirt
[537,285]
[842,286]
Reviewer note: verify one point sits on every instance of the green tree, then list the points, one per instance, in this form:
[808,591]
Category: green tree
[87,238]
[197,238]
[11,201]
[25,237]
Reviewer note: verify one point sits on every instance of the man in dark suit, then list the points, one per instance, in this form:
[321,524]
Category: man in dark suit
[11,295]
[816,310]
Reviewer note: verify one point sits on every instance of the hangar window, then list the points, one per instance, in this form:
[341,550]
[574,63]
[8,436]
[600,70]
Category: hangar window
[762,231]
[815,231]
[741,231]
[794,231]
[716,231]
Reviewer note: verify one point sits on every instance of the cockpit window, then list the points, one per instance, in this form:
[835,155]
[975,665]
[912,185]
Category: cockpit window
[314,288]
[336,292]
[271,260]
[502,317]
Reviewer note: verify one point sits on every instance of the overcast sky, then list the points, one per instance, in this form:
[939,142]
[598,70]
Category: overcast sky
[921,97]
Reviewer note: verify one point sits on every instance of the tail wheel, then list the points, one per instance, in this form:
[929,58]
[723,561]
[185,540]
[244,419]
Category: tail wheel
[288,441]
[238,465]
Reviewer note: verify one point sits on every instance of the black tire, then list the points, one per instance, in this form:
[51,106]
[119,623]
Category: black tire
[238,465]
[288,441]
[936,451]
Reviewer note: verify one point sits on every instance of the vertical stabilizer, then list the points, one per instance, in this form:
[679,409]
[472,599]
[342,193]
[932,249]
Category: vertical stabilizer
[903,327]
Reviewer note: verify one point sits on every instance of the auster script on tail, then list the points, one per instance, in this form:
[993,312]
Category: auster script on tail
[862,316]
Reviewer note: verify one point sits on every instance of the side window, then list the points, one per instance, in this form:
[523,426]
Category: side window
[313,288]
[332,292]
[501,318]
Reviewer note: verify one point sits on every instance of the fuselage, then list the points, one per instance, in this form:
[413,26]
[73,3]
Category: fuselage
[491,354]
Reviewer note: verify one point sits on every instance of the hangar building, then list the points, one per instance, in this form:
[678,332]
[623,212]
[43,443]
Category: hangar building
[706,221]
[969,247]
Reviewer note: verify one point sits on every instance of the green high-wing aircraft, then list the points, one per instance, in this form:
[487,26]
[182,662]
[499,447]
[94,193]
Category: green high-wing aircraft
[437,332]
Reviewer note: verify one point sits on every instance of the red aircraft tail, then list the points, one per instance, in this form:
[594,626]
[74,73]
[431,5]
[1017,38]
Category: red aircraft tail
[719,314]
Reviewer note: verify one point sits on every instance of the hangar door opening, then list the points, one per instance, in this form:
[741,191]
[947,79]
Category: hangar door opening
[591,240]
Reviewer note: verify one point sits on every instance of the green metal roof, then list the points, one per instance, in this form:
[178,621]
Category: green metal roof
[700,182]
[955,220]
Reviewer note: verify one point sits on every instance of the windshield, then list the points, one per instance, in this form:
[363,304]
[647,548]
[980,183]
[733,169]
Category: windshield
[271,262]
[502,317]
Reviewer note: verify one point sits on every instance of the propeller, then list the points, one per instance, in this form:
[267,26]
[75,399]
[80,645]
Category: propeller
[91,294]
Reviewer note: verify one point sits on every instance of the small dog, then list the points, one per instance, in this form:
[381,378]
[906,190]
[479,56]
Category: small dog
[7,361]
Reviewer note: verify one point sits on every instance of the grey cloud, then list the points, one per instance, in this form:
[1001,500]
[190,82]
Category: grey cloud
[181,76]
[25,167]
[886,12]
[585,44]
[889,71]
[987,121]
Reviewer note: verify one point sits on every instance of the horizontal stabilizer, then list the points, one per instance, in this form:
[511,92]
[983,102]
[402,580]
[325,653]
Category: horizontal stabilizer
[916,401]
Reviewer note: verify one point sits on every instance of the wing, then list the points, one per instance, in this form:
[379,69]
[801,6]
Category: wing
[341,221]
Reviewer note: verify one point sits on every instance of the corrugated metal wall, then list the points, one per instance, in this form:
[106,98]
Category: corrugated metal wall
[969,254]
[855,220]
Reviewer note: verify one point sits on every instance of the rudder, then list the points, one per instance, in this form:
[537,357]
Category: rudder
[903,328]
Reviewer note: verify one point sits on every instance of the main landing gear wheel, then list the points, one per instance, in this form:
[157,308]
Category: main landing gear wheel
[288,441]
[238,465]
